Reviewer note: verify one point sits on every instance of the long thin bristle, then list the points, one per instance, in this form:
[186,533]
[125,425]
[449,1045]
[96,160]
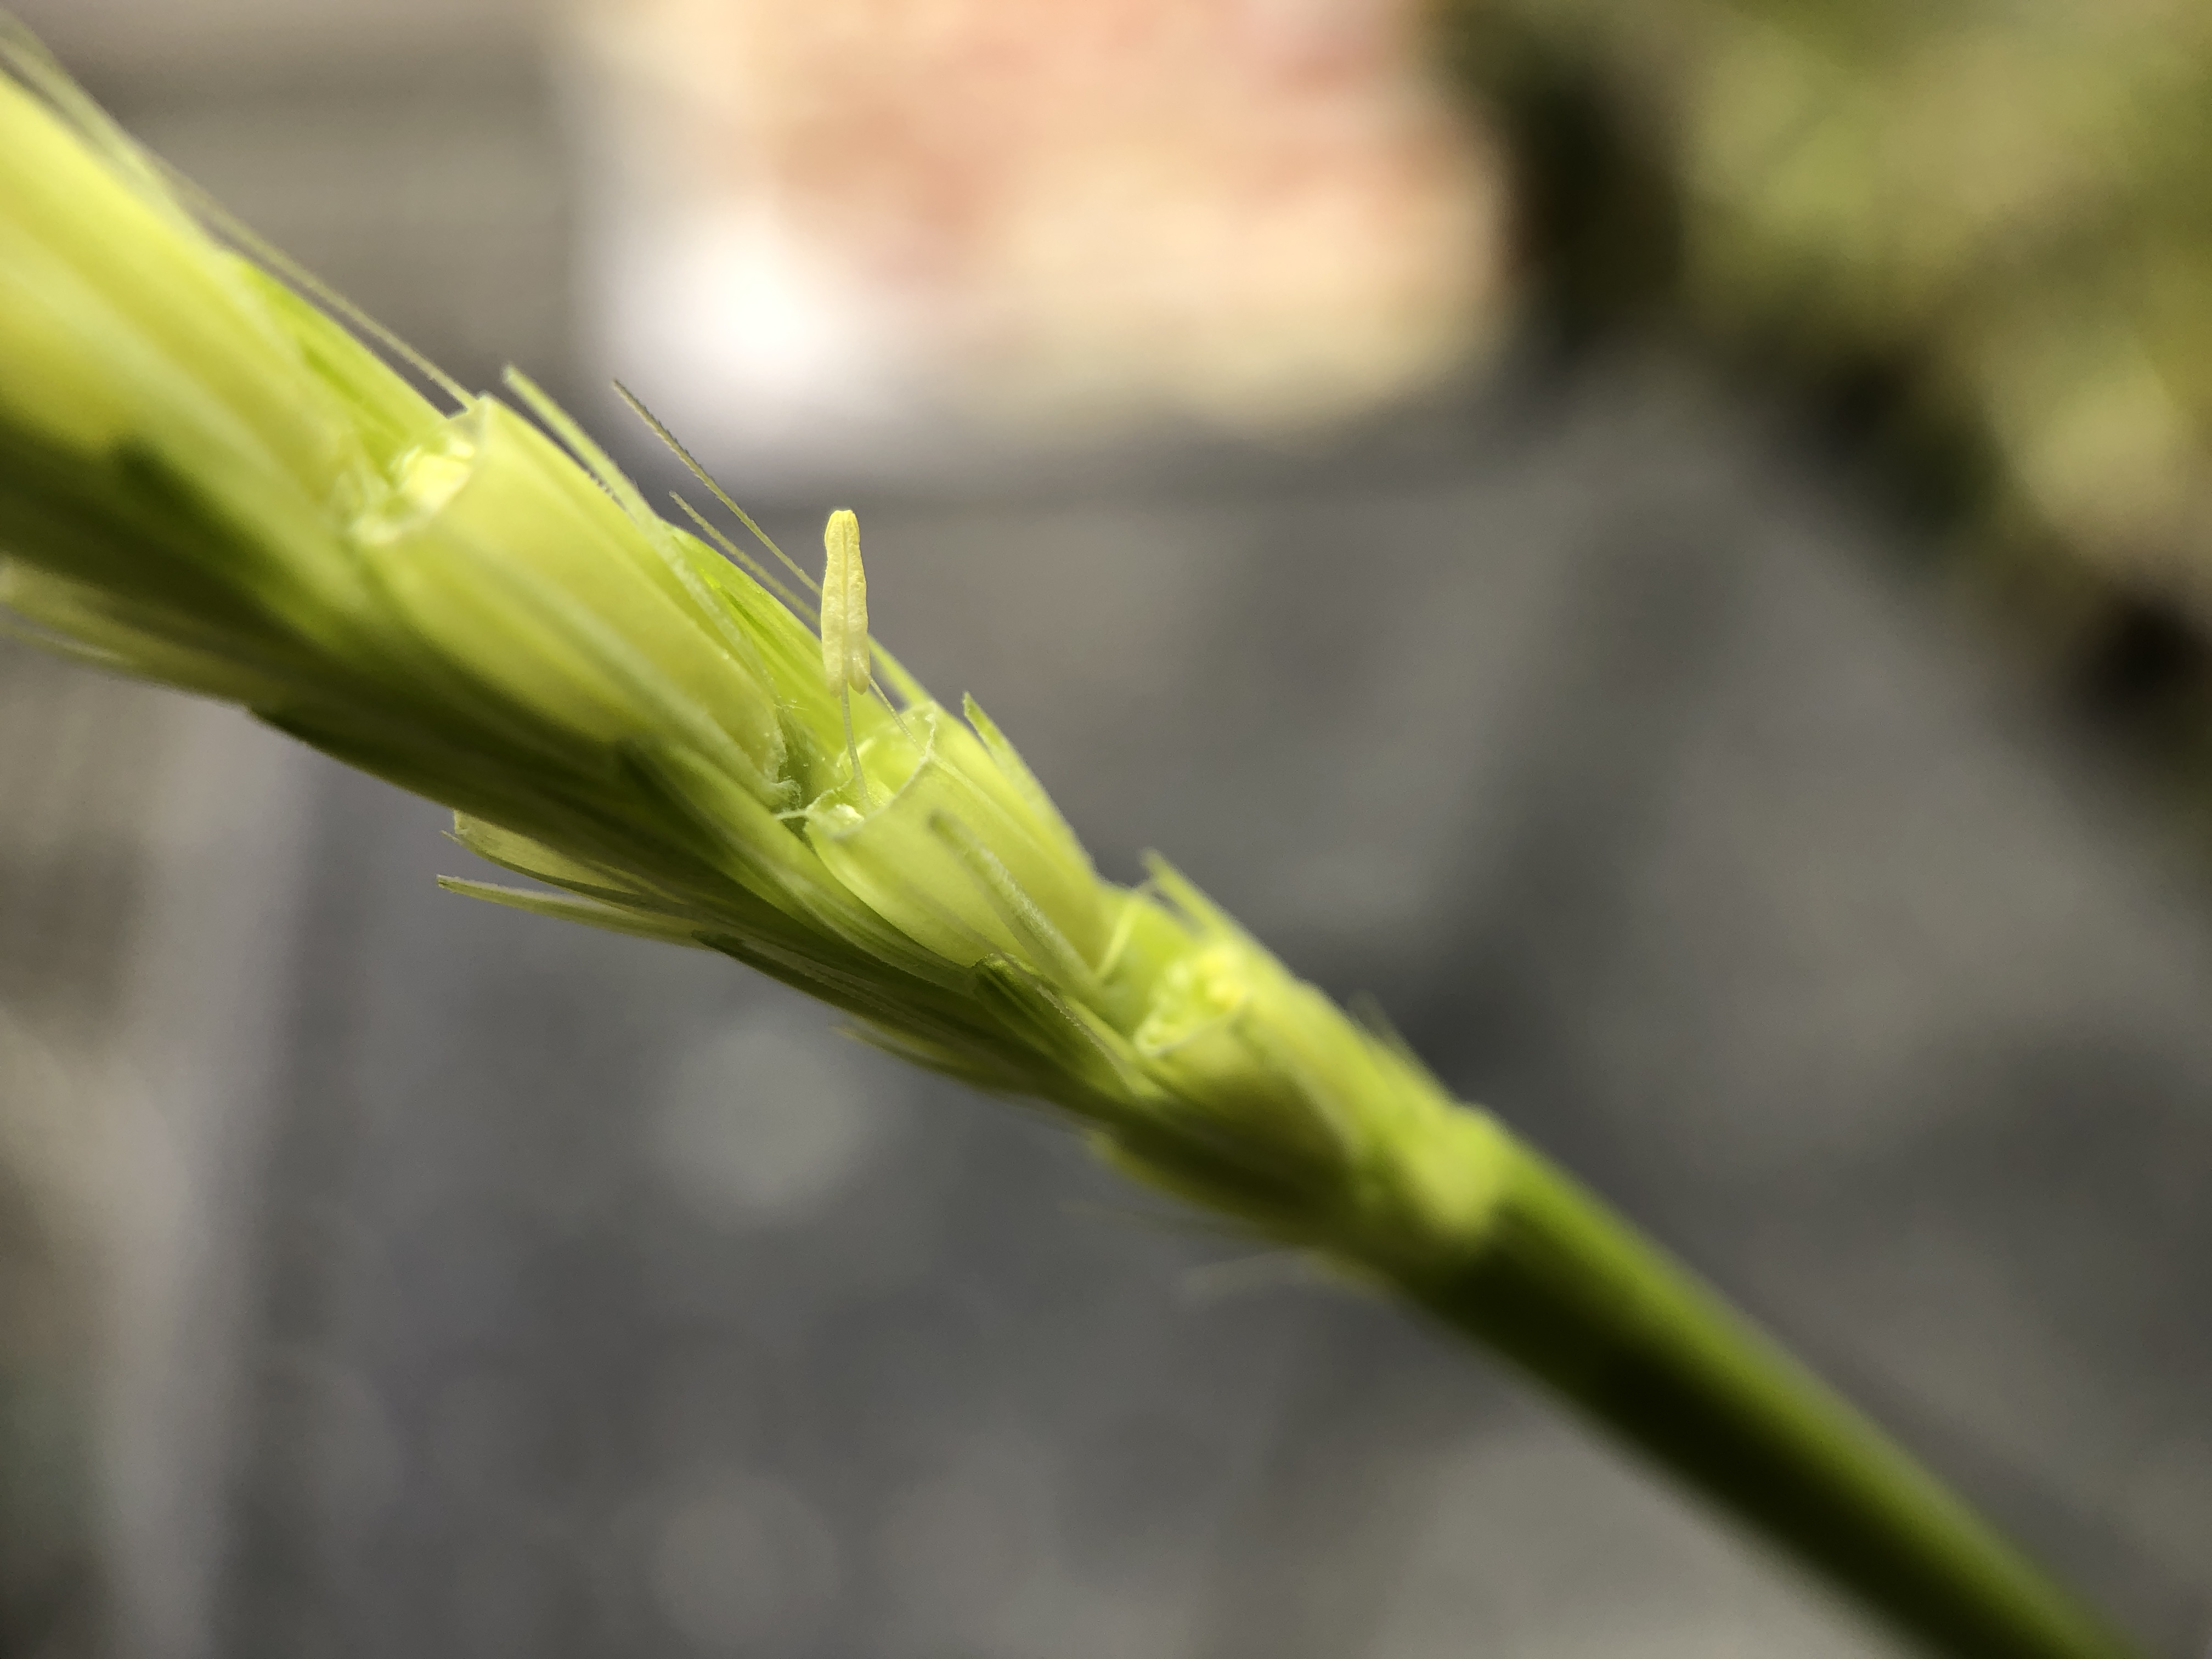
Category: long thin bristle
[707,479]
[753,568]
[578,442]
[274,260]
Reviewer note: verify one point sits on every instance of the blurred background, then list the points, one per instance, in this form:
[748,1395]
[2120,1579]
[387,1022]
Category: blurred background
[1666,541]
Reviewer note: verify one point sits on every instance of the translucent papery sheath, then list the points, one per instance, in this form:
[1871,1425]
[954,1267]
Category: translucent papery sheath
[208,482]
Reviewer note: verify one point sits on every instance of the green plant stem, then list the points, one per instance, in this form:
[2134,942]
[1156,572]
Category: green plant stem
[1577,1298]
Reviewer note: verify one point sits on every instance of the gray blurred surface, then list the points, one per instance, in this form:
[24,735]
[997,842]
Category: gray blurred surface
[596,1299]
[150,856]
[617,1307]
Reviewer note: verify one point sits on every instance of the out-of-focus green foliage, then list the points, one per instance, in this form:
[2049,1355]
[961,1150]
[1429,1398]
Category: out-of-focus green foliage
[1999,217]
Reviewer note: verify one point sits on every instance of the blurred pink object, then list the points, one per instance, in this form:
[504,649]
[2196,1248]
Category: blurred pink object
[843,222]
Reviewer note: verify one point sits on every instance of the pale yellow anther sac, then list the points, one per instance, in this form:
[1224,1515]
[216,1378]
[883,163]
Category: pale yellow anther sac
[844,605]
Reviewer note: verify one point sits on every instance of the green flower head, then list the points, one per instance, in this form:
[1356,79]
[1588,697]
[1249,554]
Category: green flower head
[208,480]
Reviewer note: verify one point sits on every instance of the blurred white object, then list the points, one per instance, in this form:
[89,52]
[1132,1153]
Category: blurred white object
[866,227]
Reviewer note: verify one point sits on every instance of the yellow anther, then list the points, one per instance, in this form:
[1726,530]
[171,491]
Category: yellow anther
[845,624]
[844,605]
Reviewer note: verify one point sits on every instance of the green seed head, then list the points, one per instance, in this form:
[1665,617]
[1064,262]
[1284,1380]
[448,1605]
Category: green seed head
[207,480]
